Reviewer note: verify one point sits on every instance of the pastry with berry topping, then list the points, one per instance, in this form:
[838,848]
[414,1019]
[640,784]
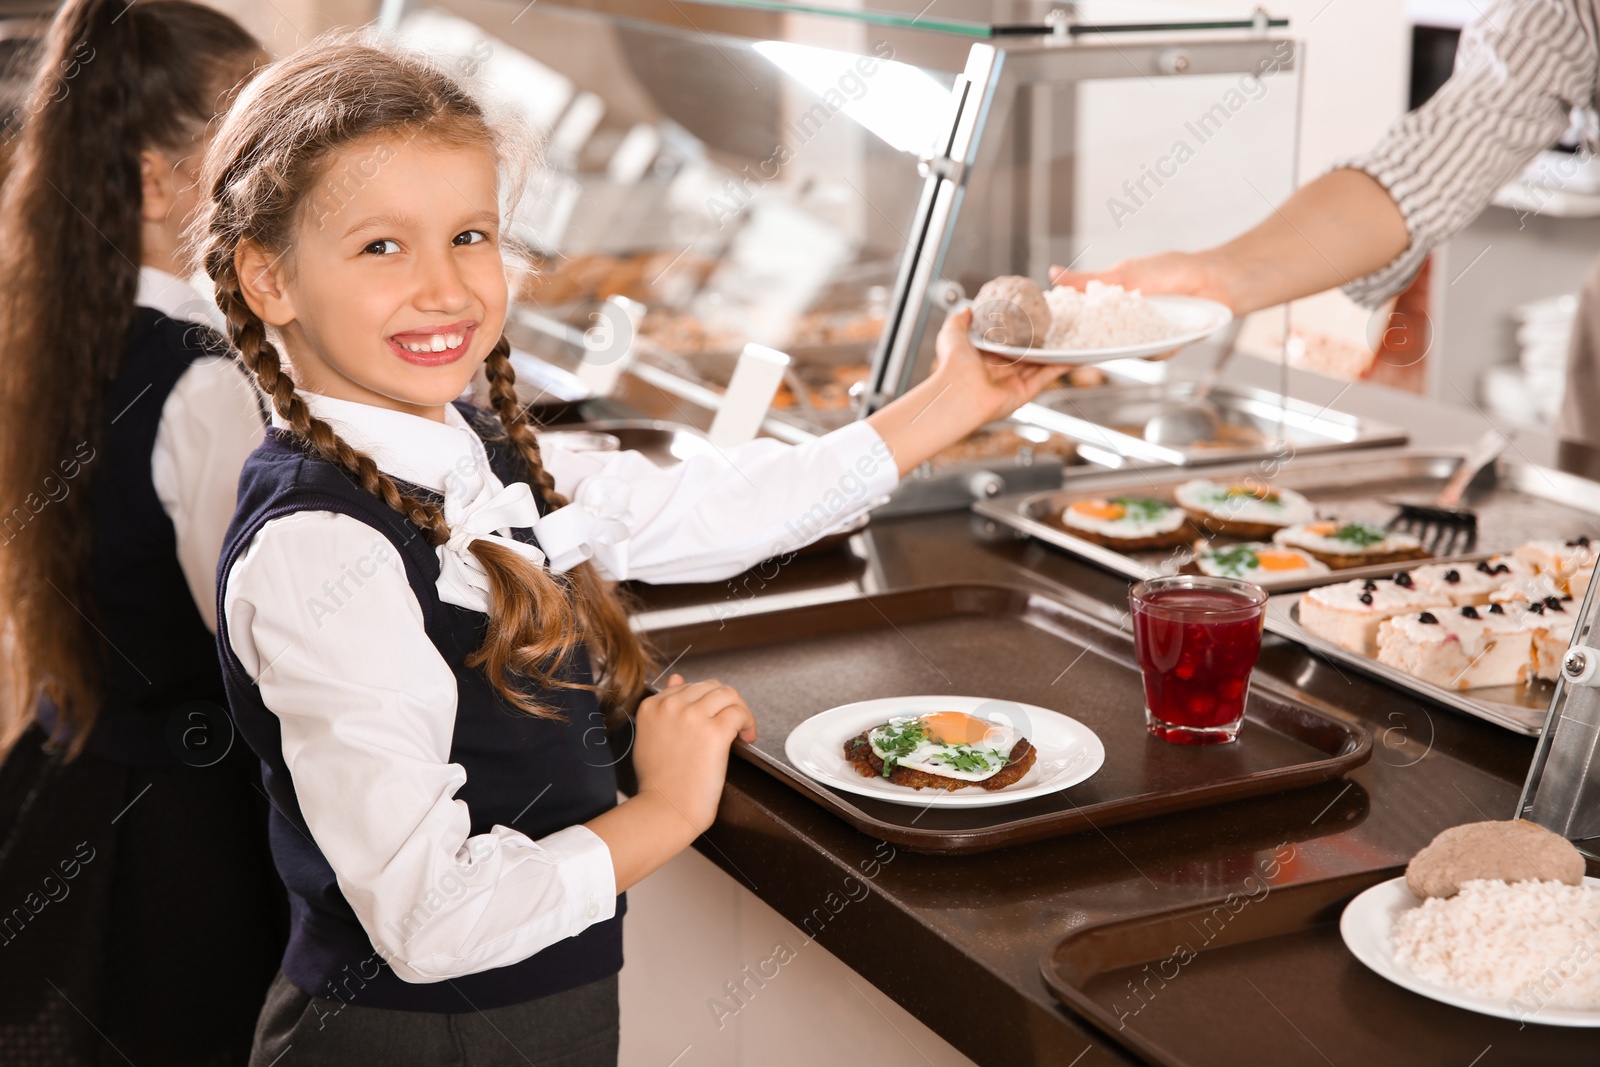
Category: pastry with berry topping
[1349,614]
[1459,648]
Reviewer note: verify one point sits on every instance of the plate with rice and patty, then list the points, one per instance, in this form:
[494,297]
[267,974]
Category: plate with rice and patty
[1012,316]
[1493,917]
[945,751]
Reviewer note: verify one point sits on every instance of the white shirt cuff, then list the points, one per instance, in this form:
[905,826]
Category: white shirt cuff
[584,862]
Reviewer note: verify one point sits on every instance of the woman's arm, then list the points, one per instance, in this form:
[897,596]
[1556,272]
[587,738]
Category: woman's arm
[1520,70]
[1338,228]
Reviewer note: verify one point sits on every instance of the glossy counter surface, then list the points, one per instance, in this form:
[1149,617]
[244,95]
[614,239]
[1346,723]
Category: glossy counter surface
[959,939]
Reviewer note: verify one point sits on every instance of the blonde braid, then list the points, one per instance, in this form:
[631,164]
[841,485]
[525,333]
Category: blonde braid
[622,659]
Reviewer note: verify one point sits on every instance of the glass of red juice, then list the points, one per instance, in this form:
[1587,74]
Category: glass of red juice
[1196,640]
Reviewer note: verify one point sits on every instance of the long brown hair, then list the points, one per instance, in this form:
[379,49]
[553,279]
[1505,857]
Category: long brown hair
[263,168]
[112,79]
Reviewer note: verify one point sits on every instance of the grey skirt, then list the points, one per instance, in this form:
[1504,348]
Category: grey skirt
[577,1028]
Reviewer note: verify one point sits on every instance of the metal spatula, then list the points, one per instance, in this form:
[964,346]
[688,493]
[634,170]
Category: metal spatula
[1445,527]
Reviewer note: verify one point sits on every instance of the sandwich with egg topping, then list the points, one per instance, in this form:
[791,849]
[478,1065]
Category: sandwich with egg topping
[947,750]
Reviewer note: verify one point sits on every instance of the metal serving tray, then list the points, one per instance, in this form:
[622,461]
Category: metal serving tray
[1011,644]
[1521,708]
[1111,420]
[1262,977]
[1515,502]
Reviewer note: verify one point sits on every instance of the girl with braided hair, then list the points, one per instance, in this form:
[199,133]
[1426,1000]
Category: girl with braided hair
[133,852]
[417,618]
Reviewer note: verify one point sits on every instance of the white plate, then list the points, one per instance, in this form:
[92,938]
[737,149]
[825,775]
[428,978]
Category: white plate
[1193,319]
[1367,927]
[1069,751]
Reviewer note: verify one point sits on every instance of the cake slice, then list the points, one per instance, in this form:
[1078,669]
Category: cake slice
[1348,614]
[1531,590]
[1471,583]
[1463,648]
[1552,623]
[1559,559]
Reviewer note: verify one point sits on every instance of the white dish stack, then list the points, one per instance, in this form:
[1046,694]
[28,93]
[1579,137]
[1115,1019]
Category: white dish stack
[1529,392]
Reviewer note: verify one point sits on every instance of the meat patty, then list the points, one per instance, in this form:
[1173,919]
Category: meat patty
[858,750]
[1512,851]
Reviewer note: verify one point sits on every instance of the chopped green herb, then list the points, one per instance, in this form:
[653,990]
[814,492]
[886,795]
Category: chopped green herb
[1142,508]
[1233,560]
[1359,533]
[972,760]
[895,740]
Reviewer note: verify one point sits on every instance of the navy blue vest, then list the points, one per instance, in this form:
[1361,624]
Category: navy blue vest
[157,657]
[511,758]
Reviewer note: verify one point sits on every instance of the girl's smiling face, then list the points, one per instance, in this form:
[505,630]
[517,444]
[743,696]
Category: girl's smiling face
[393,290]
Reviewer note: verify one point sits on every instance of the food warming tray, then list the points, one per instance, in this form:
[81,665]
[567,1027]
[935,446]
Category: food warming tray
[1521,708]
[1010,644]
[1254,422]
[1515,502]
[1263,978]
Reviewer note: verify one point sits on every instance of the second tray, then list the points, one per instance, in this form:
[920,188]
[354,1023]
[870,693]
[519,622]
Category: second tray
[1262,977]
[1521,708]
[1519,503]
[1010,644]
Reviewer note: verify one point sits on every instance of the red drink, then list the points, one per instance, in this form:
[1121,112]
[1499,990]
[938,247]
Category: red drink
[1197,640]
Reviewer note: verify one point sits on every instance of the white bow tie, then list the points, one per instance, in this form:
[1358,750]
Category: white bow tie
[566,537]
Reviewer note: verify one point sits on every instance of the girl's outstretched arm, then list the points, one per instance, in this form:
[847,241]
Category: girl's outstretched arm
[966,390]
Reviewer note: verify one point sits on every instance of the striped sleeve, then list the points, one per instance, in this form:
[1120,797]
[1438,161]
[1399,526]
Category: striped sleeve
[1520,70]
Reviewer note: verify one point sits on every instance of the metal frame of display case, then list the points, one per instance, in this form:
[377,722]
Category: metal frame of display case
[945,174]
[1033,46]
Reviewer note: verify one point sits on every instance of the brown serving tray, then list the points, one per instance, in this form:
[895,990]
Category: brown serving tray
[1010,644]
[1267,981]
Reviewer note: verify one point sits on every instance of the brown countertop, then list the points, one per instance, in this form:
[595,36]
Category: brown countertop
[959,939]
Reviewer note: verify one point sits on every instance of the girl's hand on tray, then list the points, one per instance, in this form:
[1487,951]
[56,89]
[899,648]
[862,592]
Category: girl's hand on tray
[680,755]
[966,390]
[684,733]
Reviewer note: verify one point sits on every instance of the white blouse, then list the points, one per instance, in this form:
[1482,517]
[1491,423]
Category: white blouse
[210,424]
[321,614]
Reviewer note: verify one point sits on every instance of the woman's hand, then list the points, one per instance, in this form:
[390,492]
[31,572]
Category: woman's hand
[1183,273]
[681,749]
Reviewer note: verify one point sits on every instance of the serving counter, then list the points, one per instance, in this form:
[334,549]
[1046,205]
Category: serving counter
[954,939]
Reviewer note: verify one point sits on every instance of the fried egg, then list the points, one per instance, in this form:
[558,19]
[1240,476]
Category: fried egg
[952,744]
[1336,538]
[1245,502]
[1257,561]
[1124,517]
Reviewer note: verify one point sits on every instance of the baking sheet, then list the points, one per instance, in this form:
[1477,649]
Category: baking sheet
[1520,708]
[1515,502]
[1010,644]
[1262,977]
[1113,420]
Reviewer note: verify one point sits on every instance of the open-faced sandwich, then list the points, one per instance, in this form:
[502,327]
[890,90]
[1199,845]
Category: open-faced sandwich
[1247,509]
[1257,561]
[943,750]
[1130,523]
[1351,544]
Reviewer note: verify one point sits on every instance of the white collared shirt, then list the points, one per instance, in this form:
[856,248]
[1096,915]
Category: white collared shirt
[210,423]
[321,614]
